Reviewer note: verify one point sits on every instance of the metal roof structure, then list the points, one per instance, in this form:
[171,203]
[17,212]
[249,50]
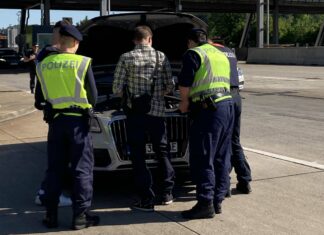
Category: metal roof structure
[274,7]
[244,6]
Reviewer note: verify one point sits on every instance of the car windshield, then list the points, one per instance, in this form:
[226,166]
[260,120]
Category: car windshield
[7,52]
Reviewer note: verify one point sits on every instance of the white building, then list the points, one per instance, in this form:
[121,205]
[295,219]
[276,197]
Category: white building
[12,32]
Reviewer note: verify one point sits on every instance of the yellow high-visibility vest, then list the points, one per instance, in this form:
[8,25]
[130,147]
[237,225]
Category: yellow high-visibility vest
[62,80]
[213,75]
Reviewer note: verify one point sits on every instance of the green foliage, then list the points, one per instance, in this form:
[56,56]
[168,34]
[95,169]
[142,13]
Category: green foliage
[300,28]
[226,26]
[293,28]
[82,22]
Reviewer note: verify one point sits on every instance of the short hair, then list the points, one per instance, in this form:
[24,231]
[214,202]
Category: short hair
[66,41]
[197,35]
[142,32]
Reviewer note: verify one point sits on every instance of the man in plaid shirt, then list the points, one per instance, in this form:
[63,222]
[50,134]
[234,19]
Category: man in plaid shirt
[135,69]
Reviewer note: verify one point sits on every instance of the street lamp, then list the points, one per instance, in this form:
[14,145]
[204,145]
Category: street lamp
[18,15]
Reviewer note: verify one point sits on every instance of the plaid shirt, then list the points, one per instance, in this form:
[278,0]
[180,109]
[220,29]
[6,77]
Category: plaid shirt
[135,69]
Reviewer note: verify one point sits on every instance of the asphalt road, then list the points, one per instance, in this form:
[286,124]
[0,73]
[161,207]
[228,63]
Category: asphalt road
[283,110]
[15,78]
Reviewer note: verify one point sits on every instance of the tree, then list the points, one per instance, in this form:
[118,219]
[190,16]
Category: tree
[299,28]
[82,22]
[226,26]
[293,28]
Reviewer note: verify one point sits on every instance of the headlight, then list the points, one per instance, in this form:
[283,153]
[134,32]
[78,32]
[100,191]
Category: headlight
[94,125]
[241,78]
[3,60]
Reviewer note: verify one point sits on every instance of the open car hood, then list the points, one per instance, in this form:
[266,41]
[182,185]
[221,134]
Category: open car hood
[107,37]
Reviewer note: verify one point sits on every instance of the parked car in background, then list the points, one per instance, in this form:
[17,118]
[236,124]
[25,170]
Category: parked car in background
[10,58]
[105,39]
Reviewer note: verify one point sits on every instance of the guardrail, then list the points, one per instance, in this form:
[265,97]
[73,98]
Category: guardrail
[288,55]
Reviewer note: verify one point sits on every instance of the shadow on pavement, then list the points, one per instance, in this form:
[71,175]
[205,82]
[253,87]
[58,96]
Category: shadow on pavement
[22,168]
[13,70]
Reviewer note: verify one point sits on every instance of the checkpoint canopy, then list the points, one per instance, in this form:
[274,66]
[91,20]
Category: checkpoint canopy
[285,6]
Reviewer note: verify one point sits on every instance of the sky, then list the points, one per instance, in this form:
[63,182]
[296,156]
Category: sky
[10,17]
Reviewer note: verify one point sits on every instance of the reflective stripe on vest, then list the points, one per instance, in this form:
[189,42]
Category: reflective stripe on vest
[213,75]
[62,80]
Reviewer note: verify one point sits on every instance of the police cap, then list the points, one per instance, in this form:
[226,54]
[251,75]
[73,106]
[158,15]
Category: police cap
[197,35]
[71,31]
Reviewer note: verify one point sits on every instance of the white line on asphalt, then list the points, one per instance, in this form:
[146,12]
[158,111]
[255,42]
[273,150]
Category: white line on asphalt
[285,158]
[280,78]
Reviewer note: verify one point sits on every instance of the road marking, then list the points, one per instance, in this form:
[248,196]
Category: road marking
[285,158]
[279,78]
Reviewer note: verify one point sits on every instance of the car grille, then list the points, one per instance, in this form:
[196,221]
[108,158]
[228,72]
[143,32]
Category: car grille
[177,129]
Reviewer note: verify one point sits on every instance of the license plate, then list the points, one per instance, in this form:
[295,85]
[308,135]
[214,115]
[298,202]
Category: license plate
[13,63]
[173,148]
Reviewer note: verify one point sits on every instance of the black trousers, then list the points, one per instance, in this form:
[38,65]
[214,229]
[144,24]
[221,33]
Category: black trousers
[210,151]
[137,127]
[238,159]
[68,137]
[32,77]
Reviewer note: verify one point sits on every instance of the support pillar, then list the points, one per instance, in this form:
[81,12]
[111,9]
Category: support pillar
[320,36]
[276,22]
[260,23]
[104,7]
[46,13]
[23,21]
[248,19]
[21,37]
[178,5]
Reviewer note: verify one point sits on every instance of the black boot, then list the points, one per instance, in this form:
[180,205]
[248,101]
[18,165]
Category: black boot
[218,208]
[50,220]
[200,211]
[243,187]
[84,220]
[228,193]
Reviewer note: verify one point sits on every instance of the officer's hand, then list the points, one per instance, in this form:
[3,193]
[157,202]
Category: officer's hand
[184,106]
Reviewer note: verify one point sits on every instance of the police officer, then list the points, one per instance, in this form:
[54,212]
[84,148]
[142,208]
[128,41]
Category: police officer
[46,51]
[68,87]
[30,59]
[238,159]
[204,83]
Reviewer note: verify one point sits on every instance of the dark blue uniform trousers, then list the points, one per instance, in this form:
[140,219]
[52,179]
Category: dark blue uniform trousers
[137,127]
[238,160]
[68,137]
[210,151]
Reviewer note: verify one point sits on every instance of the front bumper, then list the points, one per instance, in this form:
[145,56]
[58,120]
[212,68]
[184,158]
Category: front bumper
[111,150]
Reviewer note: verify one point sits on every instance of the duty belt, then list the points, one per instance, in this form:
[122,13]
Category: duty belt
[209,102]
[213,97]
[72,110]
